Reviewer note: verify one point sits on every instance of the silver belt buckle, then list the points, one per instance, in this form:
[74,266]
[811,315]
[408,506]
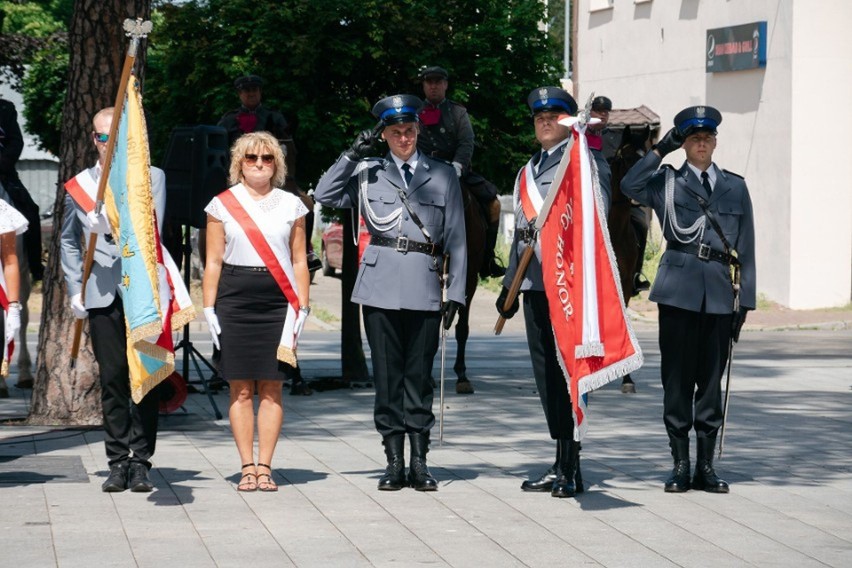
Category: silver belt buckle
[704,251]
[402,245]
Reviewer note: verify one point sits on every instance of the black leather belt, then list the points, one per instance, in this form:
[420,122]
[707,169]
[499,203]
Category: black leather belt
[703,251]
[527,234]
[404,245]
[235,268]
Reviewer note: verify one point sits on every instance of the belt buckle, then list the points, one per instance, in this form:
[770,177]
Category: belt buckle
[704,251]
[402,245]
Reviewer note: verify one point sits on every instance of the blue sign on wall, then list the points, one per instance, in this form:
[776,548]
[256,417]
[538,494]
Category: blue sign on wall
[736,48]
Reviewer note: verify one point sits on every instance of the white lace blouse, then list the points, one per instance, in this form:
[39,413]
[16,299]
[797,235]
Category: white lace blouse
[281,210]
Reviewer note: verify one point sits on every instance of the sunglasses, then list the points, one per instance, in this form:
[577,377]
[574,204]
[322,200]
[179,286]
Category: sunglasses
[102,138]
[267,159]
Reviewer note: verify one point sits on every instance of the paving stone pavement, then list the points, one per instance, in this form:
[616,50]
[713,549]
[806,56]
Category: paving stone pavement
[786,456]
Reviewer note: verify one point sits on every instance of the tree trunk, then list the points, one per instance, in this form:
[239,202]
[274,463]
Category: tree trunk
[352,360]
[97,48]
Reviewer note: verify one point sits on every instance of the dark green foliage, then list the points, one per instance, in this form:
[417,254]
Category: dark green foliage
[326,63]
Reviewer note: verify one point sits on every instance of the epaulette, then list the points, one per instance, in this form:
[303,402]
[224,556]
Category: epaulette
[733,174]
[669,166]
[454,103]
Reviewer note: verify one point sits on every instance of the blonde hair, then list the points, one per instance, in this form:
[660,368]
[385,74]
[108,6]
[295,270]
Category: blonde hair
[257,141]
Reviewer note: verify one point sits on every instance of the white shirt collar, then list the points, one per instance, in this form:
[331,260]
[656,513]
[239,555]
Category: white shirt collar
[555,147]
[412,161]
[711,173]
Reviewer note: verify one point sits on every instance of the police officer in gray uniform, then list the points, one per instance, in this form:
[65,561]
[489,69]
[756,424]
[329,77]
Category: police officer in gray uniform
[413,210]
[563,478]
[707,221]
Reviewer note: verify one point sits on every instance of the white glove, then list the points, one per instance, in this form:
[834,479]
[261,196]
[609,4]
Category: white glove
[98,223]
[80,311]
[213,325]
[13,321]
[458,168]
[301,318]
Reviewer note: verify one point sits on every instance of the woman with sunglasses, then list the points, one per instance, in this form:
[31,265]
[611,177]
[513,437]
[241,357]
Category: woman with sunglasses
[256,286]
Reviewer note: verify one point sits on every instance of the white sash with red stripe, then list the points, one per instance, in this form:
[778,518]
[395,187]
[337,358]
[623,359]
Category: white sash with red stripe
[527,196]
[275,255]
[83,189]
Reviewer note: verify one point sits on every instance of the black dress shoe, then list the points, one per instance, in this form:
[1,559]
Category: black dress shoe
[419,477]
[117,479]
[137,478]
[678,481]
[541,484]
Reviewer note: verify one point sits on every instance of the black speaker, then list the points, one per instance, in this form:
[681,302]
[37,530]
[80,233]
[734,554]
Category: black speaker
[196,165]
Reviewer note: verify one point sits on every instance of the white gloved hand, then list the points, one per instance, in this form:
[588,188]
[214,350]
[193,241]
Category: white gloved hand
[213,325]
[80,311]
[458,168]
[13,321]
[301,318]
[98,223]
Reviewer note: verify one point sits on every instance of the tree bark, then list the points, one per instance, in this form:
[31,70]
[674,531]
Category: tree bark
[352,359]
[97,48]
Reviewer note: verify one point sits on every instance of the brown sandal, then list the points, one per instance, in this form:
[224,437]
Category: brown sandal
[267,485]
[251,483]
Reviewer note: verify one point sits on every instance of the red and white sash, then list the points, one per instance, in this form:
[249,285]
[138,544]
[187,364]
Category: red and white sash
[83,189]
[527,194]
[247,214]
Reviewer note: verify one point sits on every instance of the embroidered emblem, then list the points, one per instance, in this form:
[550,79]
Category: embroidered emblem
[700,112]
[542,94]
[397,103]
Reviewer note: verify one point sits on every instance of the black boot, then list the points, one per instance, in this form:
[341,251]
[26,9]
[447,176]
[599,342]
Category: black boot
[137,478]
[565,484]
[117,479]
[418,474]
[394,477]
[545,482]
[678,482]
[705,478]
[490,266]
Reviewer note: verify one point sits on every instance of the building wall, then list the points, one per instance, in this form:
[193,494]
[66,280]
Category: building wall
[653,53]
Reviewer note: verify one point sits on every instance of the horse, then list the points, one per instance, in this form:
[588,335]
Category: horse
[25,363]
[622,230]
[475,226]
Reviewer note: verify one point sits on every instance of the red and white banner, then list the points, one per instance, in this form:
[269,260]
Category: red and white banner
[595,341]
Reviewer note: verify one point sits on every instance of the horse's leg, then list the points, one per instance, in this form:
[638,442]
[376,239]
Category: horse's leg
[463,384]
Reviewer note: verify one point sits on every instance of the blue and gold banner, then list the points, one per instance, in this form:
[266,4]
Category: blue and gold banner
[154,296]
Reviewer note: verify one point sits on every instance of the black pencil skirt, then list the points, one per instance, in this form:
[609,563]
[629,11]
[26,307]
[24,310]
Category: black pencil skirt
[251,309]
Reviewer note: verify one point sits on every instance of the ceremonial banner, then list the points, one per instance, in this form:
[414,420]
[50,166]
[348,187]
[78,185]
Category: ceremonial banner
[595,341]
[155,298]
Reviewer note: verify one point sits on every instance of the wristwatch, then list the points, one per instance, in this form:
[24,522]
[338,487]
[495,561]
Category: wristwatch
[306,309]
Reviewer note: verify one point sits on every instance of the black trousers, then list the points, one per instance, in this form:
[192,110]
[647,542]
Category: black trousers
[130,429]
[693,352]
[403,344]
[549,378]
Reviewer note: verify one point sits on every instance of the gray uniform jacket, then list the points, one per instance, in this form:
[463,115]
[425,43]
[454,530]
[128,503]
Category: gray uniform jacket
[387,278]
[105,278]
[684,280]
[543,179]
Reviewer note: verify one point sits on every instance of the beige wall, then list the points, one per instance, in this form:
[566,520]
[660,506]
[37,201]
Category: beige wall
[653,53]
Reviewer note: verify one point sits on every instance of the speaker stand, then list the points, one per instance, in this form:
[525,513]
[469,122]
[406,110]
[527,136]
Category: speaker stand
[189,350]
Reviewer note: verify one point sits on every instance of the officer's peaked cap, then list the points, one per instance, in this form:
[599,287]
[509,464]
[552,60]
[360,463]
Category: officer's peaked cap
[397,108]
[697,118]
[601,104]
[248,81]
[432,72]
[552,99]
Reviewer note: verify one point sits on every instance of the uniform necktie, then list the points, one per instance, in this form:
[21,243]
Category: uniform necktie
[705,181]
[406,173]
[541,160]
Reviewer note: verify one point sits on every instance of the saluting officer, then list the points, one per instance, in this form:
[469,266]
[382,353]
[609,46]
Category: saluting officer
[413,209]
[707,217]
[563,478]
